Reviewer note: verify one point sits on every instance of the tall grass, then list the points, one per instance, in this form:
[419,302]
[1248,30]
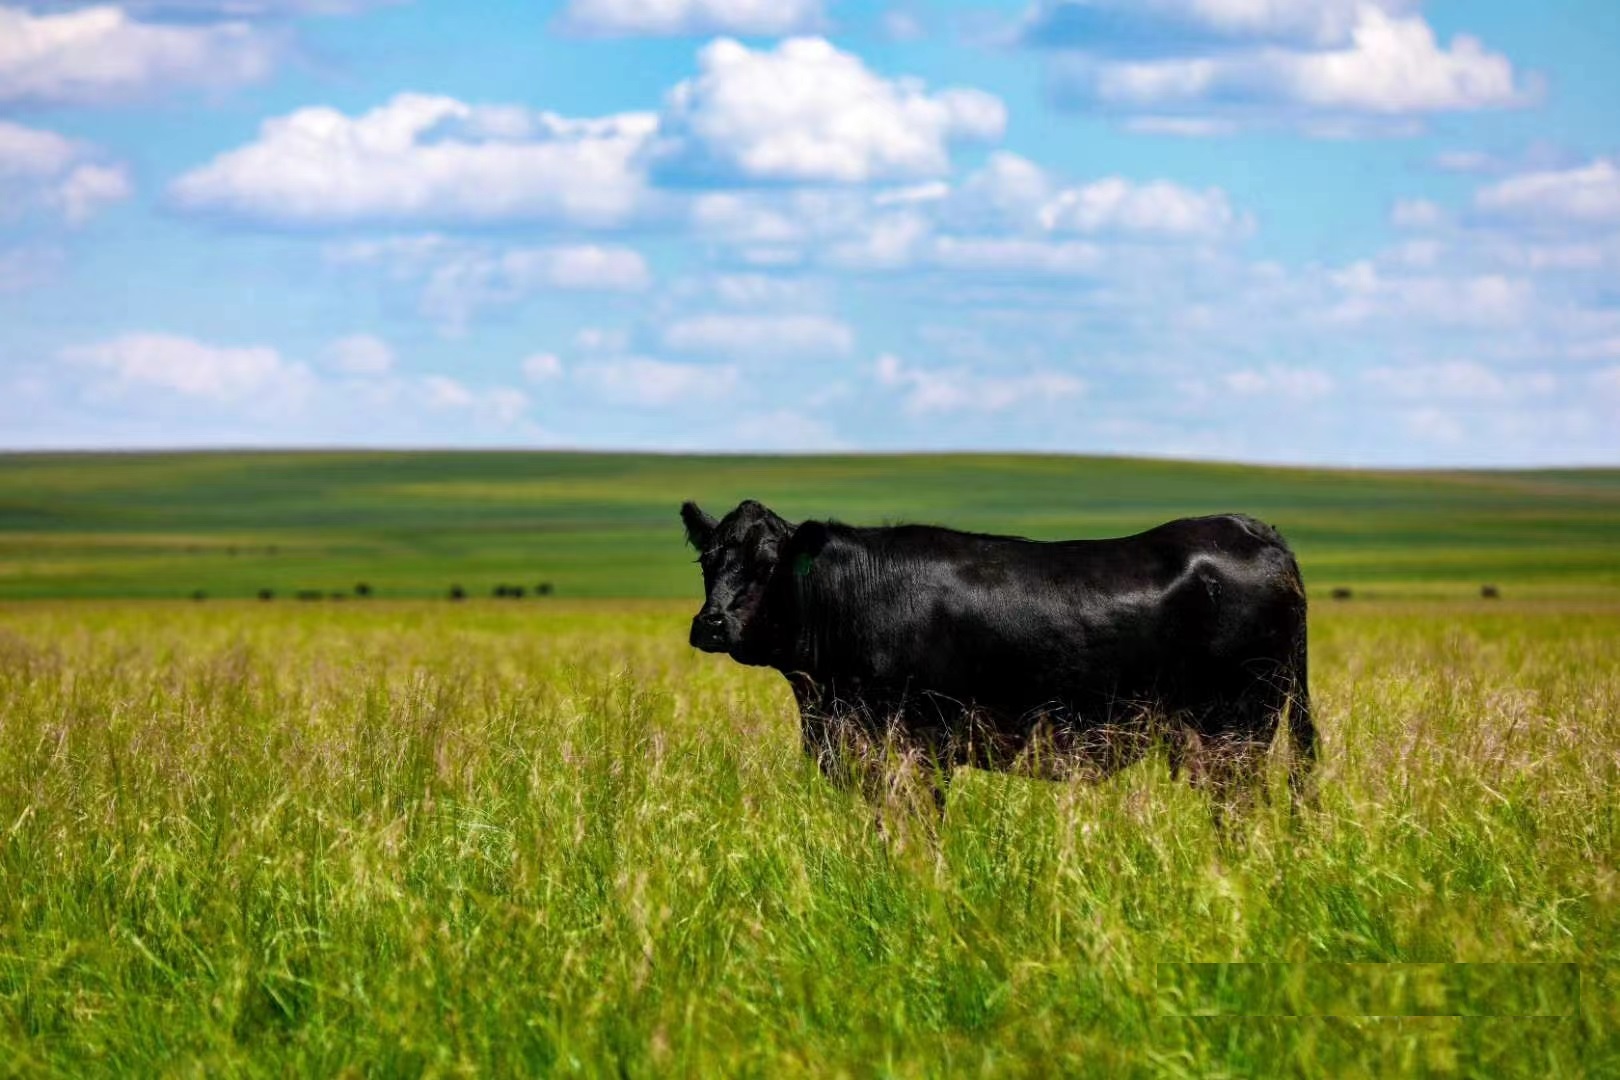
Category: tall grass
[402,839]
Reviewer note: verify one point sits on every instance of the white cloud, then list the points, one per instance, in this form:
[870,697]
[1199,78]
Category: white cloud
[807,112]
[194,369]
[542,367]
[361,354]
[956,390]
[600,339]
[648,382]
[1277,382]
[256,9]
[757,291]
[161,389]
[1416,214]
[1182,127]
[760,335]
[1366,292]
[463,284]
[674,18]
[1459,380]
[902,27]
[101,55]
[1393,66]
[41,170]
[420,157]
[501,405]
[1142,23]
[1587,195]
[991,255]
[461,278]
[785,429]
[1157,207]
[27,266]
[1008,216]
[1599,349]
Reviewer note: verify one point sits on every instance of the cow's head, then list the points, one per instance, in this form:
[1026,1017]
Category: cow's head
[738,554]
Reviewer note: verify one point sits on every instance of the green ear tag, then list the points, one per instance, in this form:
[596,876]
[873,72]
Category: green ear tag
[801,565]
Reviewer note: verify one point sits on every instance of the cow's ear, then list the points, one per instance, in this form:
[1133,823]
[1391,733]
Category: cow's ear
[808,539]
[699,526]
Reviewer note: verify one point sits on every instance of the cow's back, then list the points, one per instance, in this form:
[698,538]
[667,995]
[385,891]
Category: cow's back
[1019,624]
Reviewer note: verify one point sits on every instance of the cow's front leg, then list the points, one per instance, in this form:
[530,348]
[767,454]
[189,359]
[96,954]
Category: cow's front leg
[897,776]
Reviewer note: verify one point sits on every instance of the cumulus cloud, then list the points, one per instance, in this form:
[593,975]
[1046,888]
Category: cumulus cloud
[1582,196]
[542,367]
[41,170]
[461,278]
[1278,382]
[785,429]
[1010,216]
[652,383]
[1391,66]
[956,390]
[422,157]
[1459,380]
[28,265]
[501,405]
[1154,208]
[1367,292]
[1416,214]
[760,335]
[193,369]
[102,55]
[255,393]
[1157,25]
[808,112]
[361,354]
[693,18]
[255,9]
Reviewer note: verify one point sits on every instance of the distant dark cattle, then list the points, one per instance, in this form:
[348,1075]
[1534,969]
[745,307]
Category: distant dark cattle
[543,589]
[457,593]
[509,592]
[267,594]
[1490,592]
[199,595]
[1342,593]
[362,590]
[923,648]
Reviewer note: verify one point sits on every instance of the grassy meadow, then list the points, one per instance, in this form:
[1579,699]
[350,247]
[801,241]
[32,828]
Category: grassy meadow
[605,525]
[407,837]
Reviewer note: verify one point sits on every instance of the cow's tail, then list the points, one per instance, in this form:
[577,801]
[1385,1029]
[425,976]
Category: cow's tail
[1301,727]
[1302,734]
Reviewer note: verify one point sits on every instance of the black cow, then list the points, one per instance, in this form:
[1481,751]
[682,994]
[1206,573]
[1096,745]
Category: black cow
[1070,658]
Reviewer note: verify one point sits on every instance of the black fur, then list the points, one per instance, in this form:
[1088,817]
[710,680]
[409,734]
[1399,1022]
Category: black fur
[1058,658]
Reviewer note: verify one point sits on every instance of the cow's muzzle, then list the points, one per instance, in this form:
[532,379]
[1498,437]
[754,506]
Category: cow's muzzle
[711,632]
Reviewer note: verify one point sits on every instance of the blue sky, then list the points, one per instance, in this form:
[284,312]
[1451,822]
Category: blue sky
[1343,231]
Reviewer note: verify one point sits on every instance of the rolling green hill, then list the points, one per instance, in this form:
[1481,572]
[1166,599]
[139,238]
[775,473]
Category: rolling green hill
[411,524]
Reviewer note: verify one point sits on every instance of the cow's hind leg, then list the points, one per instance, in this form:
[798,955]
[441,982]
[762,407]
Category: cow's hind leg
[1230,771]
[1224,748]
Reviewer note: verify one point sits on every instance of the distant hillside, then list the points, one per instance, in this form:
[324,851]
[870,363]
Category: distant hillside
[411,524]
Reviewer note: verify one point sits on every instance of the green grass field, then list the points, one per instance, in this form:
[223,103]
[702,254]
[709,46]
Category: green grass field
[407,837]
[599,525]
[410,837]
